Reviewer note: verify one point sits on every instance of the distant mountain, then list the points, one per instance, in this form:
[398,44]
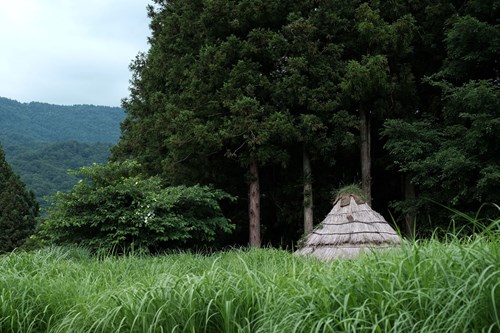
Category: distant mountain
[41,122]
[42,141]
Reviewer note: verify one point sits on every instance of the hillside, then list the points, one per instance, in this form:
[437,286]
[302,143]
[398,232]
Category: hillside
[42,141]
[40,122]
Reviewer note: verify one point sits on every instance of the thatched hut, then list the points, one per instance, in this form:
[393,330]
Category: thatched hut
[350,228]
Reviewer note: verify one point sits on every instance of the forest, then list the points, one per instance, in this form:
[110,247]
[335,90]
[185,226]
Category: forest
[279,103]
[43,141]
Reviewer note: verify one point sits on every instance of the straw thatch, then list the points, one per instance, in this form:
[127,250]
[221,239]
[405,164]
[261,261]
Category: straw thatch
[350,228]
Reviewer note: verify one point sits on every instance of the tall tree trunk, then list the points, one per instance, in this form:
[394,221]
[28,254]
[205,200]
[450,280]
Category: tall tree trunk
[409,194]
[254,205]
[308,194]
[366,178]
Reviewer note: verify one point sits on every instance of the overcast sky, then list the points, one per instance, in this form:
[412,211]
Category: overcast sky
[70,51]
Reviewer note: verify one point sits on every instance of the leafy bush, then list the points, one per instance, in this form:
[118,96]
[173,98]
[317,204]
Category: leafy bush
[115,209]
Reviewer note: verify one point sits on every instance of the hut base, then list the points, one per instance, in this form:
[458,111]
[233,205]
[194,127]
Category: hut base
[347,251]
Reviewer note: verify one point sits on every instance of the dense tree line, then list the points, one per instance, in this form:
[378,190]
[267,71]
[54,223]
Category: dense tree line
[278,102]
[18,208]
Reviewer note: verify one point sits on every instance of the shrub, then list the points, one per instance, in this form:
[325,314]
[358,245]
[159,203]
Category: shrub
[116,209]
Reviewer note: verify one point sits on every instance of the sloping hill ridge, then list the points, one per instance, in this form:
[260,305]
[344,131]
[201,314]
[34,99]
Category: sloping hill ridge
[42,141]
[41,122]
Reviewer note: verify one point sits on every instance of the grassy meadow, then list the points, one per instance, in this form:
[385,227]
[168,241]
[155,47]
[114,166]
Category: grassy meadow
[426,286]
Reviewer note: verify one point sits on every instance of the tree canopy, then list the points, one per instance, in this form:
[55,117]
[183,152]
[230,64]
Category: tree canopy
[274,100]
[452,153]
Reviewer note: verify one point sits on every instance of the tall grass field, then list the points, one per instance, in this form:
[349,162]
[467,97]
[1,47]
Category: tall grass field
[429,286]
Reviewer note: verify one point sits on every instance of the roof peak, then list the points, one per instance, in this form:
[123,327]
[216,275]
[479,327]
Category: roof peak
[345,199]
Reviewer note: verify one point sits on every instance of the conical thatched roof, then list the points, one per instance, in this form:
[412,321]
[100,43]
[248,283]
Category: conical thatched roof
[350,228]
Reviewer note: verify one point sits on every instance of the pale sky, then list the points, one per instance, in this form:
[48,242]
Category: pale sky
[70,51]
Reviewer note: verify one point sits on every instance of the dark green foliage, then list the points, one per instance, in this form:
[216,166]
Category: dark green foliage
[229,83]
[457,162]
[115,209]
[18,208]
[473,47]
[452,154]
[238,93]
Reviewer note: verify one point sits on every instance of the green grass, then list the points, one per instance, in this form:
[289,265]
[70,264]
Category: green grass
[427,286]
